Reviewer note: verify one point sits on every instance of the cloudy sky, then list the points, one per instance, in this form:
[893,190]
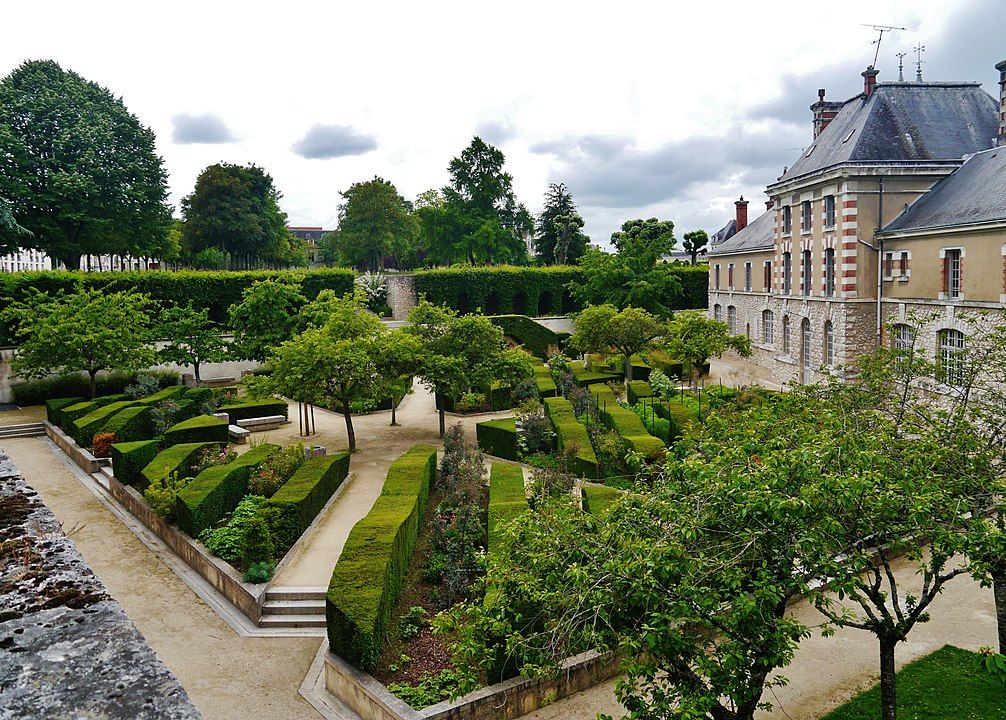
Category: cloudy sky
[641,108]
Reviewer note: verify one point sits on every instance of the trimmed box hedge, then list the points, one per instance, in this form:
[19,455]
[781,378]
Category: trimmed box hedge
[201,428]
[569,430]
[72,413]
[584,377]
[543,379]
[217,490]
[367,580]
[132,423]
[624,421]
[169,393]
[502,289]
[130,458]
[534,337]
[507,500]
[84,429]
[301,498]
[172,460]
[599,499]
[254,409]
[636,390]
[498,438]
[54,408]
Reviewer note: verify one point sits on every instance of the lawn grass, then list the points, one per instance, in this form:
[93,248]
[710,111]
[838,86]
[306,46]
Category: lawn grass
[938,686]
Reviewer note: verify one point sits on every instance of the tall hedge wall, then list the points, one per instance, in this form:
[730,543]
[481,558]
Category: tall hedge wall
[501,290]
[507,500]
[176,458]
[498,437]
[201,428]
[132,423]
[129,459]
[367,580]
[214,290]
[302,497]
[694,285]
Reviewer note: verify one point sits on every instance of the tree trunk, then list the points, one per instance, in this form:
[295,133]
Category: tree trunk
[442,428]
[628,368]
[195,371]
[71,260]
[394,407]
[999,591]
[92,385]
[888,701]
[350,433]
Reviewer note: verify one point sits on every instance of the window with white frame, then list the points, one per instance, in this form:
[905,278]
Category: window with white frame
[951,357]
[747,277]
[732,319]
[785,335]
[787,273]
[806,216]
[767,327]
[829,211]
[902,337]
[952,264]
[829,272]
[805,284]
[829,344]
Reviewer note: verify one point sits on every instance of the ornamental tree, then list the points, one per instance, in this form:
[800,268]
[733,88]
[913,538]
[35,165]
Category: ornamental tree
[693,338]
[558,233]
[265,317]
[374,222]
[694,243]
[604,329]
[79,170]
[399,357]
[193,339]
[10,230]
[88,331]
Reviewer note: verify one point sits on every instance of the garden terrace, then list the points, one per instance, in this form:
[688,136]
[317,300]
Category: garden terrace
[301,498]
[175,459]
[681,418]
[636,390]
[201,428]
[84,428]
[498,438]
[585,377]
[571,432]
[625,422]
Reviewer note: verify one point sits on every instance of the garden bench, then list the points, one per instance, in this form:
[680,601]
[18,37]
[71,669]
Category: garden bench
[238,435]
[268,422]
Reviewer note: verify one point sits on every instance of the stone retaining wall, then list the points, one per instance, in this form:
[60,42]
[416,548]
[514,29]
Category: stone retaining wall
[80,456]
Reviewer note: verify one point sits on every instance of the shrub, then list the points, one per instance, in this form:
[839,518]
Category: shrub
[162,495]
[302,497]
[83,429]
[367,580]
[185,459]
[254,409]
[54,408]
[535,430]
[585,377]
[625,422]
[101,446]
[202,428]
[37,392]
[130,458]
[217,490]
[275,471]
[259,573]
[543,381]
[532,336]
[143,386]
[656,425]
[498,437]
[228,541]
[131,423]
[598,499]
[636,390]
[507,500]
[572,434]
[175,392]
[72,413]
[257,546]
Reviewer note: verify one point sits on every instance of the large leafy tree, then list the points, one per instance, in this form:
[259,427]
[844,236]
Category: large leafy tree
[635,274]
[10,230]
[80,171]
[192,338]
[694,243]
[558,233]
[399,357]
[374,222]
[605,329]
[693,338]
[88,331]
[266,316]
[235,209]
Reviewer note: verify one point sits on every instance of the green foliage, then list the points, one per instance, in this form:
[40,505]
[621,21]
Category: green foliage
[276,470]
[144,386]
[558,232]
[84,428]
[265,317]
[202,428]
[259,572]
[87,331]
[367,580]
[258,546]
[217,490]
[543,380]
[661,385]
[414,621]
[498,290]
[168,393]
[507,501]
[72,413]
[193,339]
[498,438]
[636,390]
[254,408]
[533,337]
[130,458]
[228,541]
[302,497]
[374,222]
[694,338]
[186,460]
[657,426]
[586,378]
[130,424]
[53,408]
[604,329]
[79,170]
[37,392]
[598,500]
[162,496]
[572,436]
[625,422]
[694,244]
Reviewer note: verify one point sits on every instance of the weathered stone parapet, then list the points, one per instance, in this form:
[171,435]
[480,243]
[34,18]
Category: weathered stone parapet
[67,648]
[401,294]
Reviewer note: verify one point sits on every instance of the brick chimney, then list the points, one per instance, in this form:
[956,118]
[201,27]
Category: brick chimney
[824,112]
[742,213]
[869,80]
[1001,67]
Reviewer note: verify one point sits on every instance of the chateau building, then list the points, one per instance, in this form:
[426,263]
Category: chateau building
[890,227]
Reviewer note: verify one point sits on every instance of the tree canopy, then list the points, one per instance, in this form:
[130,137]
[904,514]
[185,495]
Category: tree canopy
[558,234]
[79,170]
[603,329]
[693,338]
[192,338]
[694,243]
[266,316]
[374,222]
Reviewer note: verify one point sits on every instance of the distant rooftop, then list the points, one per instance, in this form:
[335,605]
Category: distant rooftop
[758,235]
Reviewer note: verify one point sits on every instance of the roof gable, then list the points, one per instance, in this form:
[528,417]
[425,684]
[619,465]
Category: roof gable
[757,235]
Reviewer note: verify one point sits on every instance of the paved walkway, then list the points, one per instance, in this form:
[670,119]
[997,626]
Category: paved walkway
[826,672]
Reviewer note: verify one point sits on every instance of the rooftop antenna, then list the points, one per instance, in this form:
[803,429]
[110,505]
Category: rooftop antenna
[919,49]
[901,66]
[881,29]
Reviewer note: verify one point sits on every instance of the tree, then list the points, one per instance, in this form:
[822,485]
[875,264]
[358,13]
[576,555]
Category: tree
[558,236]
[603,329]
[265,317]
[693,338]
[328,248]
[89,331]
[399,357]
[694,244]
[10,230]
[374,222]
[192,337]
[635,275]
[235,209]
[334,365]
[80,171]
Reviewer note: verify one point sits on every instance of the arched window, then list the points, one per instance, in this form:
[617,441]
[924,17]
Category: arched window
[785,335]
[717,312]
[902,337]
[732,319]
[767,327]
[829,344]
[951,356]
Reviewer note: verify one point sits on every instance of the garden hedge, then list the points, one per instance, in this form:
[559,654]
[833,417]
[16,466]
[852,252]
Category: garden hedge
[636,390]
[569,430]
[54,408]
[624,421]
[681,417]
[498,438]
[199,394]
[130,458]
[215,291]
[132,423]
[84,428]
[301,498]
[254,409]
[507,500]
[598,499]
[534,337]
[173,392]
[176,458]
[543,379]
[217,490]
[71,413]
[367,580]
[201,428]
[585,378]
[502,289]
[36,392]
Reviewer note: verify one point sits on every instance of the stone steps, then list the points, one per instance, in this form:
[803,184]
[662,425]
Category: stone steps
[22,430]
[293,607]
[273,622]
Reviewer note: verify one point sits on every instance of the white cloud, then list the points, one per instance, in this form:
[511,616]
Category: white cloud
[323,142]
[206,129]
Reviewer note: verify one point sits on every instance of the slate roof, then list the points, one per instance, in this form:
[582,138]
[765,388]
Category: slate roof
[905,122]
[757,235]
[974,193]
[725,233]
